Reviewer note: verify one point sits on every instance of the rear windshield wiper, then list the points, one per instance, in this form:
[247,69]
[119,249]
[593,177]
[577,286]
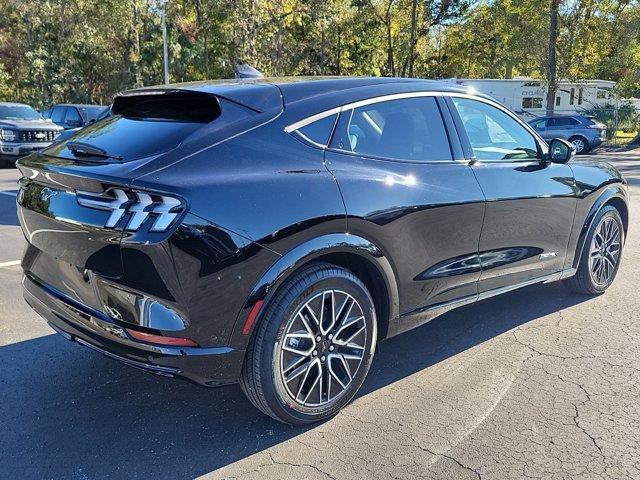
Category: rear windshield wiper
[81,149]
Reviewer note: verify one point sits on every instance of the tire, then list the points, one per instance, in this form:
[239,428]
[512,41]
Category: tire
[582,142]
[586,281]
[287,326]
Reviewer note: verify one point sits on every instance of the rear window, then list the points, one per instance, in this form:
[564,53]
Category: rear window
[144,125]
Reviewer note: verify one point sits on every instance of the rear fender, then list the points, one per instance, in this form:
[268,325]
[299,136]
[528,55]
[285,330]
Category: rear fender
[299,256]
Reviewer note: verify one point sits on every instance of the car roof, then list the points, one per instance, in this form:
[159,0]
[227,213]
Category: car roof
[81,105]
[561,116]
[265,93]
[298,88]
[13,104]
[309,86]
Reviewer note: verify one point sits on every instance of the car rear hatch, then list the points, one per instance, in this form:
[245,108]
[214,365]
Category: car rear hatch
[75,200]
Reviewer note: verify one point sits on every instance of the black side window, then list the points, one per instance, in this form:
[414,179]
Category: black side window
[318,131]
[562,122]
[542,123]
[72,117]
[57,114]
[493,134]
[406,129]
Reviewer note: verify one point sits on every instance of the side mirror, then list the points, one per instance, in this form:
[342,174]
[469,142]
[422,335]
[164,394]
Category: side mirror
[560,151]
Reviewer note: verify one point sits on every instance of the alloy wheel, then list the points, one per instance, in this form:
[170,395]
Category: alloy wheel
[605,251]
[322,348]
[578,144]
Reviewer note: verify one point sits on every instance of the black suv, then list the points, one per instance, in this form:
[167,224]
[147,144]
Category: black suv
[272,232]
[73,116]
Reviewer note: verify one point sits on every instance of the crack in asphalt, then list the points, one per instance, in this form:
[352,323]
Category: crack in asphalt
[576,416]
[576,420]
[455,460]
[301,465]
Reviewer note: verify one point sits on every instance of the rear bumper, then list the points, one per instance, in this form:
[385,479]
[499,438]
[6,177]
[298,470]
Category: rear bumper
[214,366]
[595,142]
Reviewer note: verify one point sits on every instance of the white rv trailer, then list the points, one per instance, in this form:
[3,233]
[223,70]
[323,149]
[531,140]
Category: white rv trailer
[528,97]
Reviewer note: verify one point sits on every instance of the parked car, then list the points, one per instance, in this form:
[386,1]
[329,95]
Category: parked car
[583,132]
[22,131]
[69,132]
[70,116]
[273,232]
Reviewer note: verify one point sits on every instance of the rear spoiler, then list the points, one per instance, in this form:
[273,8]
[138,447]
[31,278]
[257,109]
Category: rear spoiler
[167,104]
[257,95]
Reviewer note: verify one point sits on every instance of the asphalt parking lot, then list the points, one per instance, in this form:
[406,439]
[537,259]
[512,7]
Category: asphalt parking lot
[539,383]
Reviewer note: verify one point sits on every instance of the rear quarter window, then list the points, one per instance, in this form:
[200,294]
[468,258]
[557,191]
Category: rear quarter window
[319,131]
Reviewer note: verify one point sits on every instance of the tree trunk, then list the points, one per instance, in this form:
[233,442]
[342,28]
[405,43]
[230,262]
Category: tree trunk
[412,39]
[203,28]
[551,60]
[339,58]
[136,44]
[390,63]
[322,47]
[509,69]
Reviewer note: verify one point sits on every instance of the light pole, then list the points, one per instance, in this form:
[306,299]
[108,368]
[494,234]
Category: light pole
[165,47]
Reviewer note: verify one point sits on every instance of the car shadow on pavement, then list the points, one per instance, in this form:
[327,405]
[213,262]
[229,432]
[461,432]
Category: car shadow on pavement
[68,412]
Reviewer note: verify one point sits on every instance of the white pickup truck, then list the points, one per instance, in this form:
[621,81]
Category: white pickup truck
[23,131]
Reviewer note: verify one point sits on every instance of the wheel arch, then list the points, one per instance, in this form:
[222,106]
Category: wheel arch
[613,196]
[357,254]
[623,209]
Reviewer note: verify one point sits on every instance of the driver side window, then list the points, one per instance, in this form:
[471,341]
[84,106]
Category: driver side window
[493,134]
[73,117]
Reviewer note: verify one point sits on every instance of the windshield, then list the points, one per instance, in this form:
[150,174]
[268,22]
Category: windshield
[18,112]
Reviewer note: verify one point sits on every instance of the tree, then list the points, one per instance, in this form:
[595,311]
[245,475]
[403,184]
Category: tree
[85,51]
[552,81]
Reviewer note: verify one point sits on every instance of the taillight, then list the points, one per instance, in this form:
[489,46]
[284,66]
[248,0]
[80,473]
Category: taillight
[133,209]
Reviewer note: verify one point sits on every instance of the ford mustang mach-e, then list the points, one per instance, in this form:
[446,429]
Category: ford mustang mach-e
[272,232]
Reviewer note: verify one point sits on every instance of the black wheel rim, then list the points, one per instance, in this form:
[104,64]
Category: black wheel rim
[604,252]
[322,348]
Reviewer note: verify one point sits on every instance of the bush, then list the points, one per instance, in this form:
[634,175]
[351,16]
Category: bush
[624,117]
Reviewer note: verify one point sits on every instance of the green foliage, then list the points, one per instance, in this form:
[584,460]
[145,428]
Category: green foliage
[86,50]
[620,117]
